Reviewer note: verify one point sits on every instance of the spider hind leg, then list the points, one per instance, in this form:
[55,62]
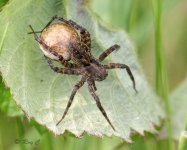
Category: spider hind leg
[98,103]
[75,89]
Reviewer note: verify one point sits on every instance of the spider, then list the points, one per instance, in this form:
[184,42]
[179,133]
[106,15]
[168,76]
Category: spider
[69,43]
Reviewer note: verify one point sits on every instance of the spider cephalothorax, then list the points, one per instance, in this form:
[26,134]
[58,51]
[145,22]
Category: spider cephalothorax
[70,44]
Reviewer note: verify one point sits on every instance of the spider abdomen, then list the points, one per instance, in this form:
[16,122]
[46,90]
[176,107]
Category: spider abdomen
[59,37]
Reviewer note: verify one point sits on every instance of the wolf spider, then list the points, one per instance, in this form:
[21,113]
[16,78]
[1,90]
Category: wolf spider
[71,46]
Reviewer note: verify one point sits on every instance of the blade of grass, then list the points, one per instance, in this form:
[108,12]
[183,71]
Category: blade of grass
[161,71]
[46,141]
[21,132]
[183,139]
[49,141]
[131,18]
[1,142]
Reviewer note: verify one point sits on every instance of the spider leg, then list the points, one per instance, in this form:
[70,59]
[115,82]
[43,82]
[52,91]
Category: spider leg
[79,54]
[94,87]
[85,35]
[98,103]
[64,62]
[75,89]
[70,71]
[34,32]
[52,19]
[108,52]
[122,66]
[48,24]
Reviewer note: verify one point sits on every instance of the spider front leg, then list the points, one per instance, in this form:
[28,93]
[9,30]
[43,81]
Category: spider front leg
[108,52]
[48,24]
[75,89]
[52,19]
[98,103]
[70,71]
[85,35]
[122,66]
[64,62]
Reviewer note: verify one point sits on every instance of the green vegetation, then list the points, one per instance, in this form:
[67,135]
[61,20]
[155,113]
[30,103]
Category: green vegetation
[158,30]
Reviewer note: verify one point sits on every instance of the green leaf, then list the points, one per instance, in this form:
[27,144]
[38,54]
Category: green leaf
[43,94]
[2,3]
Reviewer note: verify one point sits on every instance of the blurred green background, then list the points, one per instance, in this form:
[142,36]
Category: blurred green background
[136,18]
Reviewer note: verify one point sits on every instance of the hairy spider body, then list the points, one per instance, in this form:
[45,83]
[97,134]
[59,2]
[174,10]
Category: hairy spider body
[96,72]
[70,44]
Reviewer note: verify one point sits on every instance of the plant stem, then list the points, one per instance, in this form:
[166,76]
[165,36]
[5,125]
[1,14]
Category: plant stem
[161,70]
[49,141]
[131,19]
[1,142]
[183,141]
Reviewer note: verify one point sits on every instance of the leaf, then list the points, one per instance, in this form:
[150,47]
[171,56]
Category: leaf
[2,3]
[7,105]
[43,94]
